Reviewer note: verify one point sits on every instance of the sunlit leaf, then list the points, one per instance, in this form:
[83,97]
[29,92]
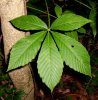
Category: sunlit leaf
[73,53]
[72,34]
[29,22]
[25,50]
[69,22]
[50,63]
[68,12]
[58,10]
[81,30]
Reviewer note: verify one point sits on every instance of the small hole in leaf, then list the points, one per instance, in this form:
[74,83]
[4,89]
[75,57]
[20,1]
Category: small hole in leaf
[72,46]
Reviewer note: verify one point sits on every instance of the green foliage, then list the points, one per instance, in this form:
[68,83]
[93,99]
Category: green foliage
[3,77]
[15,95]
[93,13]
[72,34]
[69,22]
[18,95]
[33,1]
[67,12]
[92,16]
[58,10]
[70,51]
[50,63]
[92,83]
[55,47]
[91,90]
[69,98]
[30,22]
[25,50]
[81,30]
[94,57]
[7,92]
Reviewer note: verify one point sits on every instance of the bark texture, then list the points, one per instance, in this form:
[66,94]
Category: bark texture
[22,78]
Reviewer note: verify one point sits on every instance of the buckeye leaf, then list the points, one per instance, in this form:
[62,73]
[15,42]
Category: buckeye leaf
[69,22]
[29,22]
[50,63]
[25,50]
[67,12]
[93,16]
[58,10]
[72,34]
[73,53]
[81,30]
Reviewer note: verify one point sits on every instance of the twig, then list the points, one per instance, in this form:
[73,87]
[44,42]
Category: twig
[83,4]
[48,14]
[41,11]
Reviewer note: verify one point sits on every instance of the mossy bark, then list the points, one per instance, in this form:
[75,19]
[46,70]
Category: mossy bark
[22,78]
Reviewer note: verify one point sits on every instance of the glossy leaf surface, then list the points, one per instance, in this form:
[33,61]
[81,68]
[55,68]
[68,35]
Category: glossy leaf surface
[29,22]
[25,50]
[69,22]
[50,63]
[73,53]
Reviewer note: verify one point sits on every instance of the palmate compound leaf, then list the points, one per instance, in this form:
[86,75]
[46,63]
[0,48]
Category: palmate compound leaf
[29,22]
[25,50]
[73,53]
[69,22]
[50,63]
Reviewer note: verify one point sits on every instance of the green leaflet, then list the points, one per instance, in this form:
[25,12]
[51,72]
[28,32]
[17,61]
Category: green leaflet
[29,22]
[58,10]
[81,30]
[92,16]
[25,50]
[50,63]
[69,22]
[73,53]
[67,12]
[72,34]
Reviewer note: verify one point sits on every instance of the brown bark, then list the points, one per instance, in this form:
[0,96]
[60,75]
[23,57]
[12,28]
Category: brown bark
[22,78]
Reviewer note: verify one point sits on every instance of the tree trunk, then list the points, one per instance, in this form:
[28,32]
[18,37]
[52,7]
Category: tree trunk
[22,78]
